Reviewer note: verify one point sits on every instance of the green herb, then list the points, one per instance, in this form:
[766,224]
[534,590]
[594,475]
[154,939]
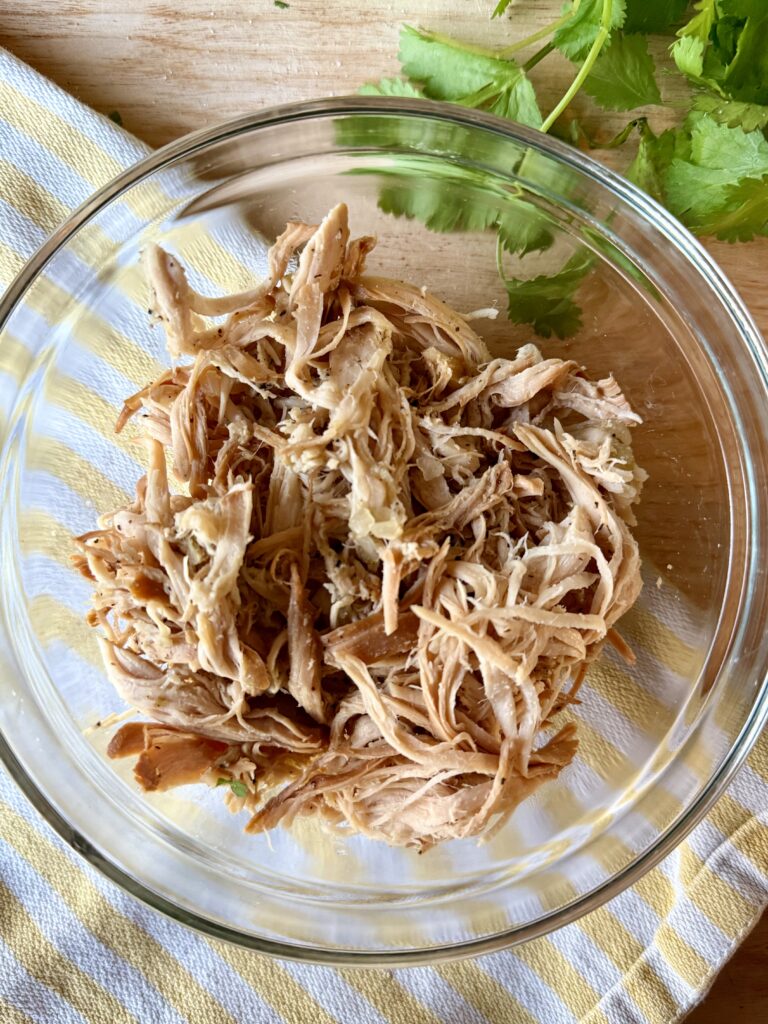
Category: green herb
[281,4]
[500,7]
[546,302]
[711,170]
[439,205]
[622,77]
[390,87]
[697,183]
[653,16]
[723,48]
[688,53]
[448,70]
[114,115]
[743,212]
[523,229]
[654,155]
[238,788]
[588,19]
[700,25]
[734,113]
[444,202]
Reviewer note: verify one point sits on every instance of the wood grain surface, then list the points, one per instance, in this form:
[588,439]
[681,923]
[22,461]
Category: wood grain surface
[168,68]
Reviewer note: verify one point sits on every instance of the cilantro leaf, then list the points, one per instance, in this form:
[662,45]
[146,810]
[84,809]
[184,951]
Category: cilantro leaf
[746,75]
[734,113]
[448,204]
[697,183]
[622,76]
[390,87]
[723,40]
[576,36]
[743,213]
[449,70]
[740,8]
[439,206]
[717,146]
[701,23]
[648,16]
[546,302]
[723,47]
[238,788]
[524,228]
[653,157]
[688,54]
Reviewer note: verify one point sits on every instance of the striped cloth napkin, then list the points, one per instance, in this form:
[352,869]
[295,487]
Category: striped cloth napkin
[75,948]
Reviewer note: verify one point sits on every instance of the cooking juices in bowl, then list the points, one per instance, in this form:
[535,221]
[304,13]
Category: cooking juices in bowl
[657,737]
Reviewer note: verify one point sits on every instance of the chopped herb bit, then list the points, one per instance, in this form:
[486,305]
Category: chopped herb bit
[281,4]
[238,788]
[114,115]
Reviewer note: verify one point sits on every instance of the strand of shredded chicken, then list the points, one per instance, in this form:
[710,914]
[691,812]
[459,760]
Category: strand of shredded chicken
[384,563]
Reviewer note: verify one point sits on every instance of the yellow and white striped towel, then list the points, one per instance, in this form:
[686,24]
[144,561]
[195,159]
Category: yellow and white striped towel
[74,948]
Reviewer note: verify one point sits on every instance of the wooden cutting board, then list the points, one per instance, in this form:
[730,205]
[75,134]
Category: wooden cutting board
[168,68]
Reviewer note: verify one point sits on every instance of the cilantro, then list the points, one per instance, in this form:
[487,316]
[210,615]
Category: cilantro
[576,37]
[439,205]
[746,75]
[653,15]
[688,54]
[734,113]
[703,171]
[546,302]
[524,228]
[741,8]
[701,23]
[743,212]
[696,183]
[449,70]
[390,87]
[453,200]
[711,171]
[238,788]
[654,155]
[622,76]
[723,47]
[577,134]
[281,4]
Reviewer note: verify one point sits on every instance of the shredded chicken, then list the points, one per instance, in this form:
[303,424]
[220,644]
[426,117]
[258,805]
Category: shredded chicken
[386,560]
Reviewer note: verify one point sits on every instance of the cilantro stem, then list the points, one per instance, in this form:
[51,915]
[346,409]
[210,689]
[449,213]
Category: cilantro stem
[538,56]
[500,257]
[439,37]
[586,67]
[541,33]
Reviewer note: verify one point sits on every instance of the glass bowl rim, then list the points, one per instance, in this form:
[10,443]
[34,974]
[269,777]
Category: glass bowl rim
[692,251]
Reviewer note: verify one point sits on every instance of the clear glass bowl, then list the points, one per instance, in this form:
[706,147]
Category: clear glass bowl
[659,740]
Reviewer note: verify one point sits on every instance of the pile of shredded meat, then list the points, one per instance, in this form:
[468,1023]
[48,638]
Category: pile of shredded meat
[386,561]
